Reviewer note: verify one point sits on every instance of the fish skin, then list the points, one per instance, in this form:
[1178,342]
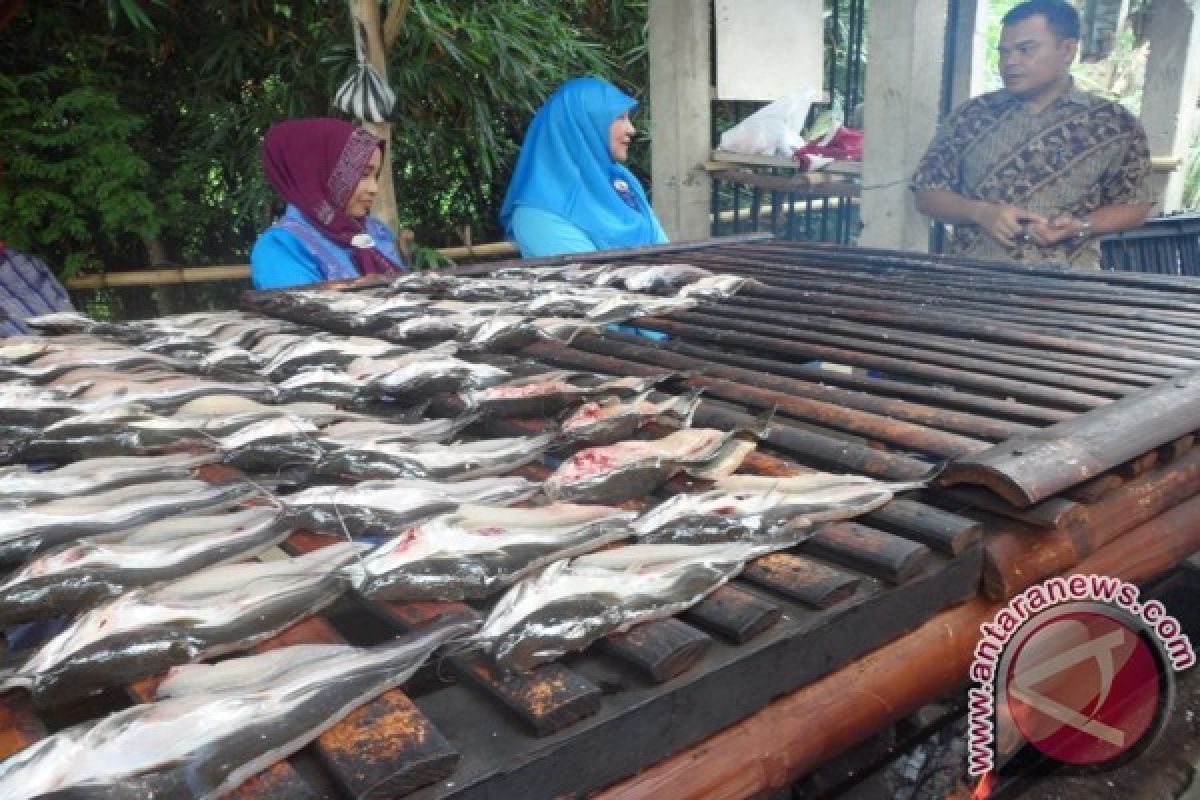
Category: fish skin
[78,576]
[215,611]
[413,382]
[610,420]
[633,468]
[322,386]
[349,432]
[379,507]
[431,461]
[550,392]
[653,277]
[475,551]
[33,529]
[300,696]
[717,287]
[22,485]
[571,603]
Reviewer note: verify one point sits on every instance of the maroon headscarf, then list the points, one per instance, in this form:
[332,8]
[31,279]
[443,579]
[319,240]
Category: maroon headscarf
[315,164]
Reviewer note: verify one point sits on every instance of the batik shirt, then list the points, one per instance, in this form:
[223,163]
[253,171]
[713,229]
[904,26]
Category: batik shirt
[27,289]
[1079,154]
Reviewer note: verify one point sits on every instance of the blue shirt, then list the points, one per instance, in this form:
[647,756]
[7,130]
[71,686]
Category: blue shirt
[293,252]
[538,232]
[27,289]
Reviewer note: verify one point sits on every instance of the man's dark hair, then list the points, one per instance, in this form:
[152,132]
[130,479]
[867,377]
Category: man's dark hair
[1061,16]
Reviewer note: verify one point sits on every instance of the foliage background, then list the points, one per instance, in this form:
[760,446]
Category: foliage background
[133,127]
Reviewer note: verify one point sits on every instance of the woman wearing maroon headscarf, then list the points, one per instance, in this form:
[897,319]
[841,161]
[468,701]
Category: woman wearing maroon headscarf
[327,171]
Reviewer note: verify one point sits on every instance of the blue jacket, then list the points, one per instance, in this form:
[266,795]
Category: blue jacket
[292,252]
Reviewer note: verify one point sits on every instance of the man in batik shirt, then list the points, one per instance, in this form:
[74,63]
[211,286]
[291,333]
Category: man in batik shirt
[1039,169]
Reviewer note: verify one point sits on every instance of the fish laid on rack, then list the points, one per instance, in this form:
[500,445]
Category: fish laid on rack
[215,726]
[476,551]
[612,419]
[652,277]
[51,366]
[752,507]
[573,602]
[212,612]
[510,332]
[410,379]
[432,461]
[327,352]
[20,485]
[635,467]
[380,507]
[349,432]
[550,392]
[717,287]
[33,529]
[83,574]
[164,395]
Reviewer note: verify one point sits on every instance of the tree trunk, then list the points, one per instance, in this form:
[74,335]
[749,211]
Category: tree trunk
[367,12]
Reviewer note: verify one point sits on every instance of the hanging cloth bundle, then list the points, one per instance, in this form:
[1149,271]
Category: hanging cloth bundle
[365,95]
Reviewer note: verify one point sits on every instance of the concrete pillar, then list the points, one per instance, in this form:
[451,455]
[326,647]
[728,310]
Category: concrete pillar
[680,113]
[906,43]
[971,59]
[1172,87]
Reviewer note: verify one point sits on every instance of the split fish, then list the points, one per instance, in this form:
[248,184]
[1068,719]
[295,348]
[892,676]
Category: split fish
[611,419]
[432,461]
[347,433]
[26,531]
[653,277]
[411,379]
[21,485]
[573,602]
[476,551]
[717,287]
[215,726]
[212,612]
[379,507]
[635,467]
[84,574]
[548,393]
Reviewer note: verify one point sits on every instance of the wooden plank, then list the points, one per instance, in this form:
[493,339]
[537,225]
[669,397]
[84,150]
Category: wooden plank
[941,530]
[387,748]
[803,579]
[19,724]
[868,550]
[735,613]
[1053,512]
[548,698]
[662,649]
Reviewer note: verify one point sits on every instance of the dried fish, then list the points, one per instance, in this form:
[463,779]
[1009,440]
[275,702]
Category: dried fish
[717,287]
[84,574]
[653,277]
[476,551]
[379,507]
[411,379]
[21,485]
[215,726]
[550,392]
[349,432]
[382,460]
[215,611]
[24,532]
[634,468]
[612,420]
[572,603]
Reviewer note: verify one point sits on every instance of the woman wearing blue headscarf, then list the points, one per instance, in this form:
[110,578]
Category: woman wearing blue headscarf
[570,192]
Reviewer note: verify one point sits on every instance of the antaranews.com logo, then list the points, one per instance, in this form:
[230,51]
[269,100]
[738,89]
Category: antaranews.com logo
[1077,667]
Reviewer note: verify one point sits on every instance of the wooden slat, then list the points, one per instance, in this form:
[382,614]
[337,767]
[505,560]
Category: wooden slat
[803,579]
[868,550]
[941,530]
[662,649]
[548,698]
[734,613]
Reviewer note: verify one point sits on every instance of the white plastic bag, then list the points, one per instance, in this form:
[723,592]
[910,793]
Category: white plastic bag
[773,130]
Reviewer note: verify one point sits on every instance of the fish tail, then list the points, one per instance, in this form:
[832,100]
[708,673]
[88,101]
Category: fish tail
[761,426]
[688,404]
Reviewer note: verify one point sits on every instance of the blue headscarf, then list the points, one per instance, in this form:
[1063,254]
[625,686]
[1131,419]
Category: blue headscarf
[566,168]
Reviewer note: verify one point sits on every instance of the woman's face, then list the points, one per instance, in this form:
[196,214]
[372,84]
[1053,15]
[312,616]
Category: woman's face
[620,134]
[359,204]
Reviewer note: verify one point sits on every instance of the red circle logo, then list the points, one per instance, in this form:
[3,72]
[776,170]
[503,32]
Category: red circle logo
[1084,687]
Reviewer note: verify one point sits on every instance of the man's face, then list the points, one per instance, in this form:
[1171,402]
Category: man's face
[1032,58]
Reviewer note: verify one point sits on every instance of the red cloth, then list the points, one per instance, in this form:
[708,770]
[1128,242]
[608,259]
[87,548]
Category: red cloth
[316,164]
[846,145]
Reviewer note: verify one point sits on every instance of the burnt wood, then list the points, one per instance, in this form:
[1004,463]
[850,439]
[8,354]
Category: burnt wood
[734,613]
[1028,469]
[662,649]
[802,578]
[875,552]
[548,698]
[943,531]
